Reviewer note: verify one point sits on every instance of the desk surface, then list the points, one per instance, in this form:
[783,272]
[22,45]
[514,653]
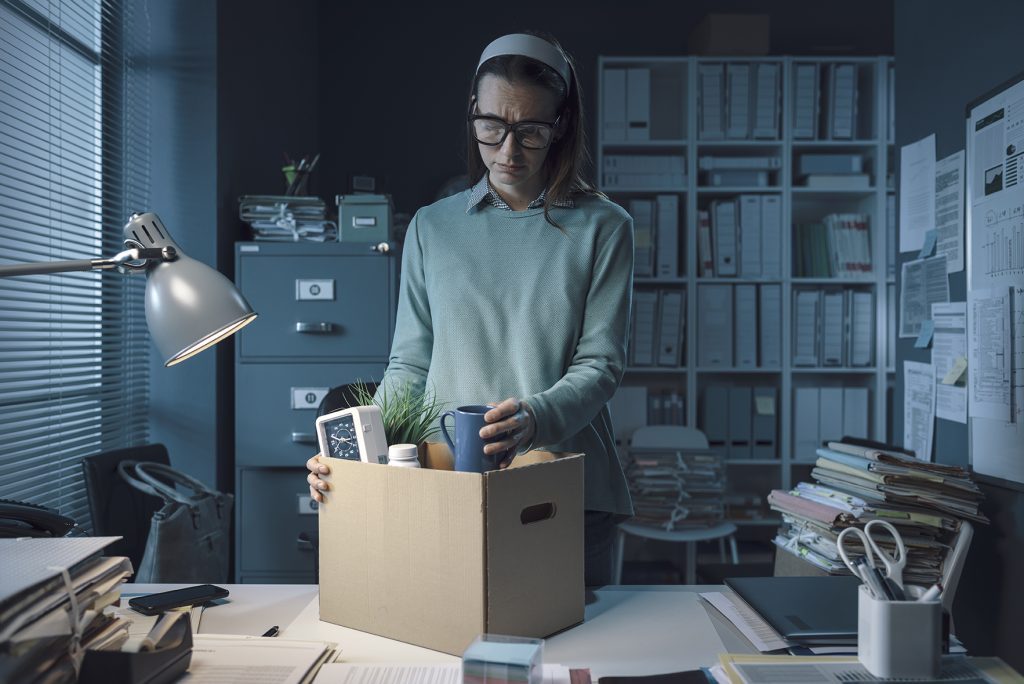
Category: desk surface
[626,629]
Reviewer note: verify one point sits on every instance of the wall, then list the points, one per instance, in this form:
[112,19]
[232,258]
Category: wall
[184,399]
[964,50]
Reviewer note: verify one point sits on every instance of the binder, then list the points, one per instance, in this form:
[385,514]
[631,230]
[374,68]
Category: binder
[716,419]
[766,102]
[745,326]
[638,103]
[805,327]
[763,432]
[737,101]
[715,314]
[723,225]
[711,102]
[832,329]
[750,236]
[771,236]
[668,236]
[805,424]
[890,335]
[740,409]
[770,326]
[830,414]
[862,329]
[805,102]
[855,412]
[671,326]
[844,101]
[642,211]
[705,259]
[645,309]
[613,99]
[890,235]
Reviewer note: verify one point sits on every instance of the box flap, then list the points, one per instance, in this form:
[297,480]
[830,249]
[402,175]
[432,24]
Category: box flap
[412,571]
[535,548]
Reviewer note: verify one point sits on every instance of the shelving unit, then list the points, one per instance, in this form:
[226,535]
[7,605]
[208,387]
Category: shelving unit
[675,129]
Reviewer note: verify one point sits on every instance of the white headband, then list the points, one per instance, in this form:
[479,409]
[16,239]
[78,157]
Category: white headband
[528,46]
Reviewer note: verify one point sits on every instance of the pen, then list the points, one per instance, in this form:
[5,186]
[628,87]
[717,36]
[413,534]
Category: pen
[272,632]
[932,593]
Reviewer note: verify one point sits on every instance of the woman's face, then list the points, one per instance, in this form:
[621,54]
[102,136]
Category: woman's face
[513,170]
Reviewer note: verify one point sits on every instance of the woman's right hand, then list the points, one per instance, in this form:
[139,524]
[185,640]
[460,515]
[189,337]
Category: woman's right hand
[317,487]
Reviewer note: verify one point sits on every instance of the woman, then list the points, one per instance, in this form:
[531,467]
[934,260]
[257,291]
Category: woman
[520,286]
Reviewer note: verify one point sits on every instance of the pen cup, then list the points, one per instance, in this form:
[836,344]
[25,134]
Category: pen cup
[899,638]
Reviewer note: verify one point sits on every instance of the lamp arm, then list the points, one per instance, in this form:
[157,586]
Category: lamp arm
[133,259]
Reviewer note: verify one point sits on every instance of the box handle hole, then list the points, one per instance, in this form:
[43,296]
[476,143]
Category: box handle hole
[536,513]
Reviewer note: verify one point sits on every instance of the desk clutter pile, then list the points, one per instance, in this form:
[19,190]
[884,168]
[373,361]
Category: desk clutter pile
[287,218]
[856,484]
[676,488]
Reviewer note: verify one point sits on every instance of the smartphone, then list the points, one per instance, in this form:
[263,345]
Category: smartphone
[154,604]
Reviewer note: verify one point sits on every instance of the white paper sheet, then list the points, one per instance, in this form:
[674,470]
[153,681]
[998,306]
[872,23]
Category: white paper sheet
[917,193]
[402,673]
[989,366]
[948,345]
[218,658]
[918,408]
[997,242]
[745,619]
[949,210]
[924,282]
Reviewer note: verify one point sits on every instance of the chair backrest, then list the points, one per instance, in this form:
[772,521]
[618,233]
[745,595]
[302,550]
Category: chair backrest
[117,509]
[342,397]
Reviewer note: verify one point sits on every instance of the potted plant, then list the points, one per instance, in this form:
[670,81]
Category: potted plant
[410,415]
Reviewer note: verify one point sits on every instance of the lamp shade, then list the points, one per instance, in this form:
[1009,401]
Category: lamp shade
[189,306]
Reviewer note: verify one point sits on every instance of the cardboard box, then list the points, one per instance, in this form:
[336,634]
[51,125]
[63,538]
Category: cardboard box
[437,557]
[731,34]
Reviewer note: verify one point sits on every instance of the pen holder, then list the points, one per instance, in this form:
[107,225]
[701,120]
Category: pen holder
[899,638]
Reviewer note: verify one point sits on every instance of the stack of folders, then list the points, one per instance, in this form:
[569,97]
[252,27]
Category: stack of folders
[741,237]
[733,171]
[837,247]
[740,326]
[828,115]
[739,101]
[656,247]
[857,484]
[675,489]
[833,171]
[52,596]
[643,171]
[658,328]
[833,327]
[287,218]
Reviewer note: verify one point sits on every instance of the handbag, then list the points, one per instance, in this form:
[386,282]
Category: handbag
[189,536]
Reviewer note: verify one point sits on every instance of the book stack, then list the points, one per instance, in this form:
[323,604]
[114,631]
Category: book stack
[287,218]
[855,484]
[675,489]
[837,247]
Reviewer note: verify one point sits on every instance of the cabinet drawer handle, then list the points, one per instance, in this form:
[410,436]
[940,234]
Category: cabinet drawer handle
[319,328]
[303,438]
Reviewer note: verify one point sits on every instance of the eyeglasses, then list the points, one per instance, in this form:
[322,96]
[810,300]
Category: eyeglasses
[533,135]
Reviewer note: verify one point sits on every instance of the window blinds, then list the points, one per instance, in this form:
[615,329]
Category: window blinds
[74,159]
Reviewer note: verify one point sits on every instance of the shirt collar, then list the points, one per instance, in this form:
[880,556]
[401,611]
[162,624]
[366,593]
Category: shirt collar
[483,192]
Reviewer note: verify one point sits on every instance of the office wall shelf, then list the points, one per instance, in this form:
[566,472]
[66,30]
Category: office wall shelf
[868,134]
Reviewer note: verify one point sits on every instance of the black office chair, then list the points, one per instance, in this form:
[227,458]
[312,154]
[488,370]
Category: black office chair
[118,509]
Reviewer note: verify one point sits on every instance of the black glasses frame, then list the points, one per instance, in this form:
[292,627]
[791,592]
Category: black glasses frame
[512,128]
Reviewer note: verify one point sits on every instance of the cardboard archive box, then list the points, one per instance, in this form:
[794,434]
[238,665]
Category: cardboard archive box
[437,557]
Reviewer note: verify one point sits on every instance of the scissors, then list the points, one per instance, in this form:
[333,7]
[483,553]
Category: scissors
[893,564]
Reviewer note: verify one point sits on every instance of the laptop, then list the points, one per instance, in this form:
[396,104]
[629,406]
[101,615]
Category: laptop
[804,610]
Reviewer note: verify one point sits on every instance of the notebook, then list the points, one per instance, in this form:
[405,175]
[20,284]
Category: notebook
[805,610]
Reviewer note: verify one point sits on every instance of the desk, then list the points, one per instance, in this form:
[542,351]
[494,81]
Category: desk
[626,630]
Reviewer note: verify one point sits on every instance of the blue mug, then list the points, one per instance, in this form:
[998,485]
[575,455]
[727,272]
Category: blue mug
[468,447]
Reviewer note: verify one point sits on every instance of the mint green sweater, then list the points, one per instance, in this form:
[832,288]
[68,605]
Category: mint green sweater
[496,303]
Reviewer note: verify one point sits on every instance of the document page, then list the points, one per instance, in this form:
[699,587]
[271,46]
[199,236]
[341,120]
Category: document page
[918,408]
[949,210]
[949,346]
[219,658]
[917,193]
[924,283]
[988,369]
[426,673]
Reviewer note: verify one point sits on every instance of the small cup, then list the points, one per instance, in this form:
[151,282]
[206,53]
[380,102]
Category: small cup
[468,447]
[899,638]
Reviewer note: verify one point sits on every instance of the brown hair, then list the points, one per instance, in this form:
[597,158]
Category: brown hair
[568,155]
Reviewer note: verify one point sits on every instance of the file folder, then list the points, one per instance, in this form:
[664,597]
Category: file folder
[671,325]
[644,321]
[738,101]
[642,211]
[711,104]
[805,425]
[763,423]
[745,326]
[855,412]
[830,414]
[715,313]
[833,329]
[862,329]
[638,104]
[723,218]
[770,326]
[613,97]
[668,236]
[750,236]
[740,405]
[766,102]
[805,102]
[805,327]
[716,419]
[771,236]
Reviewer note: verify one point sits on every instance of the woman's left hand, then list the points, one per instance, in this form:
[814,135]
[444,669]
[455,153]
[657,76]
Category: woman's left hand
[512,420]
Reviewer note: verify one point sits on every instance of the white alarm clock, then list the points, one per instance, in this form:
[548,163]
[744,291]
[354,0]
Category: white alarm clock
[355,434]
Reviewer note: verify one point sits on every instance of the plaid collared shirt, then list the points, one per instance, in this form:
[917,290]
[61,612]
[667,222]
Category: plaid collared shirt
[483,192]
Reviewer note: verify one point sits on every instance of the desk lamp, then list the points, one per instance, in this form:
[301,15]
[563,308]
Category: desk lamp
[189,306]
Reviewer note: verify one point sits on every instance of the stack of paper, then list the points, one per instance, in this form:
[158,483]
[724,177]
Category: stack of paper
[674,488]
[38,618]
[287,218]
[925,501]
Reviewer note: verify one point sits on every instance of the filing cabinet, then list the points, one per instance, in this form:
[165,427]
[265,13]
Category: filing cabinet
[326,318]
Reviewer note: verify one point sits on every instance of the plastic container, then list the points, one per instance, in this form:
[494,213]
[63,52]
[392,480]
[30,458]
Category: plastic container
[403,456]
[899,638]
[500,658]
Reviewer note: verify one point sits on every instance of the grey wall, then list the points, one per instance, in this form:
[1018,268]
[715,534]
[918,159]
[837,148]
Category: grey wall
[183,33]
[948,53]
